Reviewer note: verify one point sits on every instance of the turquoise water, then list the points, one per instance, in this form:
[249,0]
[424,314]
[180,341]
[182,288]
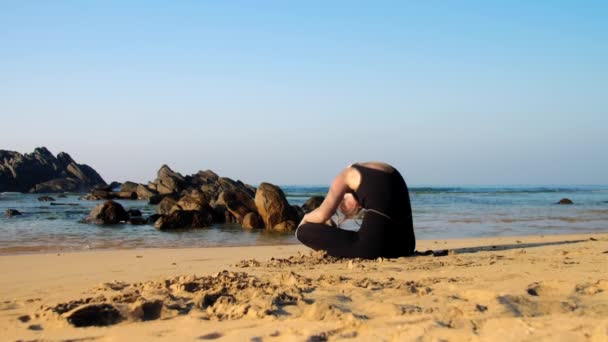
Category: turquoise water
[439,212]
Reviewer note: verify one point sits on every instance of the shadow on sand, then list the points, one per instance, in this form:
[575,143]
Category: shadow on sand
[491,248]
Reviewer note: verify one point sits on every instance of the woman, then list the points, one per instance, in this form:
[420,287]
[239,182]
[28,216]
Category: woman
[387,229]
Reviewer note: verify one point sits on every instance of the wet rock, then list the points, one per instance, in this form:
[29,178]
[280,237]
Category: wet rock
[565,201]
[108,212]
[134,212]
[238,202]
[11,212]
[165,205]
[185,219]
[273,207]
[313,203]
[252,221]
[298,212]
[138,220]
[94,315]
[46,199]
[153,218]
[125,195]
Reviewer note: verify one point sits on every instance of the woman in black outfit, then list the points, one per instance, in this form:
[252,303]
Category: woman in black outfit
[387,229]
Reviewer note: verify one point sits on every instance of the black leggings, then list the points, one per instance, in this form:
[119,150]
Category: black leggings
[377,237]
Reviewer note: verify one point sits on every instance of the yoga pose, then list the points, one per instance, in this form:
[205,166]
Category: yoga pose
[387,229]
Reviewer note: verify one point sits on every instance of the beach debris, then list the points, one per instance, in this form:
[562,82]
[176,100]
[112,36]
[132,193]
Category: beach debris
[565,201]
[481,308]
[46,199]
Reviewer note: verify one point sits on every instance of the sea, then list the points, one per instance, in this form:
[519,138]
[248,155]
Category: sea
[438,213]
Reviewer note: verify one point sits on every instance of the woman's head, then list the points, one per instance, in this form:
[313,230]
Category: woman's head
[349,206]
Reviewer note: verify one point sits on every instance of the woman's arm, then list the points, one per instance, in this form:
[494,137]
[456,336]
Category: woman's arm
[344,181]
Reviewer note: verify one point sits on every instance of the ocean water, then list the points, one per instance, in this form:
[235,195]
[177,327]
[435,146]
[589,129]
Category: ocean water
[438,212]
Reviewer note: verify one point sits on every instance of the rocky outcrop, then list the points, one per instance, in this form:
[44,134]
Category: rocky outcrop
[12,212]
[237,202]
[252,220]
[273,208]
[313,203]
[168,181]
[565,201]
[185,219]
[40,171]
[108,212]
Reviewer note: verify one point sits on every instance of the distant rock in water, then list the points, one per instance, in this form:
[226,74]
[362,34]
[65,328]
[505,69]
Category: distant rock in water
[11,212]
[313,203]
[565,201]
[46,199]
[41,172]
[108,212]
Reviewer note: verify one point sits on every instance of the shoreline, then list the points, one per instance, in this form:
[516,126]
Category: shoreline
[271,244]
[481,290]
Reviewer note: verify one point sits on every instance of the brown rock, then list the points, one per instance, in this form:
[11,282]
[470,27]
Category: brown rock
[185,219]
[128,187]
[194,202]
[313,203]
[273,206]
[252,221]
[143,192]
[285,226]
[237,202]
[108,212]
[164,207]
[168,181]
[565,201]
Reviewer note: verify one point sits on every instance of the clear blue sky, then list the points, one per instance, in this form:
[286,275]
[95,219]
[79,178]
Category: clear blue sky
[450,92]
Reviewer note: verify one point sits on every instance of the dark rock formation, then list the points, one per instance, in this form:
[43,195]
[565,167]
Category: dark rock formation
[252,221]
[565,201]
[185,219]
[134,212]
[40,171]
[168,181]
[153,218]
[46,199]
[164,207]
[137,221]
[273,207]
[313,203]
[128,187]
[237,202]
[299,213]
[11,212]
[108,212]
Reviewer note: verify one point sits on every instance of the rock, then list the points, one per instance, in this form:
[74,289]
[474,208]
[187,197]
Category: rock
[273,207]
[285,226]
[167,181]
[252,221]
[125,195]
[144,193]
[108,212]
[137,220]
[313,203]
[134,212]
[96,195]
[298,213]
[46,199]
[114,186]
[156,199]
[12,212]
[153,218]
[62,195]
[40,171]
[128,187]
[238,202]
[204,177]
[565,201]
[164,207]
[194,202]
[185,219]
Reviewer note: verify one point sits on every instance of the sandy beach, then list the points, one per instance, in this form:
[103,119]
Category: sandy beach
[552,288]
